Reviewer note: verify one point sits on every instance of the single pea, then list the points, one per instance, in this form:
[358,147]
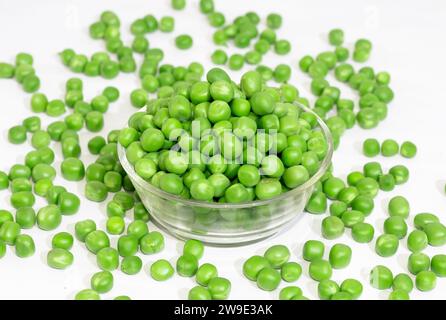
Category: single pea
[194,247]
[83,228]
[389,148]
[408,149]
[348,194]
[161,270]
[268,279]
[353,287]
[363,204]
[49,217]
[422,219]
[17,134]
[371,147]
[402,282]
[127,245]
[62,240]
[290,293]
[327,288]
[396,226]
[352,217]
[138,229]
[219,288]
[398,294]
[386,245]
[131,265]
[277,255]
[166,24]
[340,256]
[253,265]
[102,281]
[381,277]
[115,225]
[183,41]
[59,258]
[399,206]
[418,262]
[438,265]
[426,281]
[291,271]
[122,298]
[337,208]
[199,293]
[205,273]
[312,250]
[24,246]
[336,37]
[96,191]
[320,269]
[282,47]
[332,227]
[107,259]
[87,294]
[97,240]
[400,173]
[436,233]
[25,217]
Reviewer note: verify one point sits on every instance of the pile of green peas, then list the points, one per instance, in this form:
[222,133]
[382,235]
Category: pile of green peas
[23,71]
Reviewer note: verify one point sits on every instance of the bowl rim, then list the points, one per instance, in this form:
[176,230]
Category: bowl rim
[217,205]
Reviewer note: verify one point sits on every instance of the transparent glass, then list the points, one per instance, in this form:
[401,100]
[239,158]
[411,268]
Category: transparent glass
[226,224]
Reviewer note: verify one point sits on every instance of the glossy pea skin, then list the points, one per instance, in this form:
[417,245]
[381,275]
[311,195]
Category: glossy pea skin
[436,233]
[332,227]
[277,255]
[326,289]
[399,206]
[127,245]
[290,271]
[352,217]
[438,265]
[371,147]
[87,294]
[312,250]
[24,246]
[422,219]
[49,217]
[408,149]
[320,269]
[399,295]
[402,282]
[199,293]
[219,288]
[400,173]
[25,217]
[253,265]
[102,281]
[107,259]
[396,226]
[131,265]
[425,281]
[268,279]
[62,240]
[290,293]
[161,270]
[68,203]
[95,191]
[205,273]
[340,256]
[97,240]
[83,228]
[353,287]
[363,204]
[386,245]
[381,277]
[418,262]
[187,265]
[115,225]
[59,258]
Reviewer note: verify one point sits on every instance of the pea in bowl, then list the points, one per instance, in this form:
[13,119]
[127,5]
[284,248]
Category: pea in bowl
[227,224]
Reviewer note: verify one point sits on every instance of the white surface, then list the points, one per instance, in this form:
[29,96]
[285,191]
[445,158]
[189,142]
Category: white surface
[408,42]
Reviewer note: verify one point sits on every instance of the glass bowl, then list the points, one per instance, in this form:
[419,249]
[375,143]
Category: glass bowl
[226,224]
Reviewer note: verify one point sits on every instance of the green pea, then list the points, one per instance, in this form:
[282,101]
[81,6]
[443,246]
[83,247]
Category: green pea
[327,288]
[399,295]
[422,219]
[25,217]
[87,294]
[32,124]
[291,271]
[363,204]
[115,225]
[131,265]
[402,282]
[277,255]
[332,186]
[399,206]
[102,281]
[138,229]
[166,24]
[17,134]
[62,240]
[161,270]
[320,269]
[371,147]
[381,277]
[96,191]
[205,273]
[418,262]
[127,245]
[336,37]
[122,298]
[340,256]
[438,265]
[400,173]
[312,250]
[353,287]
[183,41]
[59,258]
[96,240]
[219,288]
[53,193]
[194,247]
[295,176]
[396,226]
[24,246]
[199,293]
[352,217]
[332,227]
[408,149]
[425,281]
[68,203]
[83,228]
[386,245]
[253,266]
[49,217]
[107,259]
[348,194]
[268,279]
[436,233]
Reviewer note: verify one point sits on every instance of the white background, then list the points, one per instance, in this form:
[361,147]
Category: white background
[408,40]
